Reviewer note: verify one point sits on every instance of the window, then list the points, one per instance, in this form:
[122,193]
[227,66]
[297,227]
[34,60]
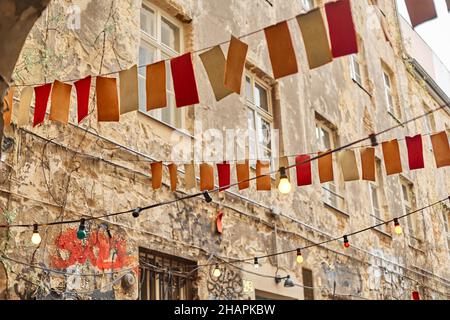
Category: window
[389,92]
[446,219]
[161,38]
[376,193]
[326,140]
[355,69]
[308,4]
[260,118]
[308,291]
[164,277]
[408,205]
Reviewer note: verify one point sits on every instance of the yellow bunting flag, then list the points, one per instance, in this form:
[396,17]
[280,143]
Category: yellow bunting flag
[23,114]
[206,177]
[107,99]
[349,166]
[214,62]
[441,149]
[326,168]
[129,96]
[157,171]
[368,164]
[243,174]
[60,102]
[281,50]
[8,107]
[263,182]
[392,160]
[173,173]
[234,68]
[189,176]
[315,38]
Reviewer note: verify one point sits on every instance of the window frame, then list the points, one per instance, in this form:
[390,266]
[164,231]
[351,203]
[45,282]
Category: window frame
[411,222]
[390,103]
[308,5]
[355,75]
[378,187]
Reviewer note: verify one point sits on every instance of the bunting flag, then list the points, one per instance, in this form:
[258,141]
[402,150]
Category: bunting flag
[234,67]
[129,95]
[441,149]
[263,182]
[415,152]
[173,173]
[41,95]
[349,166]
[326,168]
[184,81]
[189,176]
[219,226]
[83,88]
[24,106]
[243,174]
[224,173]
[206,177]
[303,168]
[107,100]
[156,86]
[60,102]
[341,28]
[214,62]
[157,171]
[368,164]
[281,50]
[392,160]
[448,5]
[420,11]
[315,38]
[8,107]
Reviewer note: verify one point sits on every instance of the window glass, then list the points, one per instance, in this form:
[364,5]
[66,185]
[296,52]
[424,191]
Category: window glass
[148,21]
[260,95]
[170,34]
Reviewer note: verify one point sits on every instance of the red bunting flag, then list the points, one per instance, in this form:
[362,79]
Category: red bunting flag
[415,152]
[41,93]
[341,28]
[224,173]
[219,225]
[83,88]
[420,11]
[184,81]
[303,166]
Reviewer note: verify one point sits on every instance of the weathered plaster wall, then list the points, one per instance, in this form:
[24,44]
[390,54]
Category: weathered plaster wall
[43,180]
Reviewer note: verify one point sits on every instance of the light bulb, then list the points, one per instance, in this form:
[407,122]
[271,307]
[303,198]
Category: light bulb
[346,243]
[285,185]
[81,233]
[36,237]
[217,273]
[299,257]
[256,263]
[397,227]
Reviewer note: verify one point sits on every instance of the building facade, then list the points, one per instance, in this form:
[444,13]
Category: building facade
[61,172]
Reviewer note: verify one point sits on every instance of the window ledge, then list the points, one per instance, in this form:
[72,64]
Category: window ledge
[362,87]
[167,125]
[416,248]
[329,206]
[383,233]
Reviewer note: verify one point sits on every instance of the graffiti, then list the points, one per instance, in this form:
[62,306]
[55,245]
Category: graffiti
[97,249]
[226,287]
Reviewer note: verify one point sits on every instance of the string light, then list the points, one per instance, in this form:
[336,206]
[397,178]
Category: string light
[217,273]
[285,185]
[136,212]
[36,237]
[397,227]
[299,257]
[256,263]
[208,198]
[81,233]
[346,243]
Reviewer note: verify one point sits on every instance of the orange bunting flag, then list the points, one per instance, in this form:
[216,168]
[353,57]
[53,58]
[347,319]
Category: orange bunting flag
[173,173]
[156,86]
[189,176]
[315,38]
[129,95]
[60,102]
[8,107]
[234,68]
[420,11]
[263,182]
[243,174]
[281,50]
[157,171]
[392,160]
[349,166]
[326,168]
[107,99]
[214,62]
[368,164]
[24,106]
[441,149]
[206,177]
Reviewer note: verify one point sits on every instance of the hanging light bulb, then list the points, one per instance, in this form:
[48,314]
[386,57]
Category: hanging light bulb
[299,257]
[81,233]
[346,243]
[208,198]
[285,185]
[217,272]
[136,212]
[397,227]
[36,237]
[256,263]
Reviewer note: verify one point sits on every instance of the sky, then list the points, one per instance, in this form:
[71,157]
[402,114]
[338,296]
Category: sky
[435,32]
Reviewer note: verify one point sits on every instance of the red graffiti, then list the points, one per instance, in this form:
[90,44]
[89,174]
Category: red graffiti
[100,250]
